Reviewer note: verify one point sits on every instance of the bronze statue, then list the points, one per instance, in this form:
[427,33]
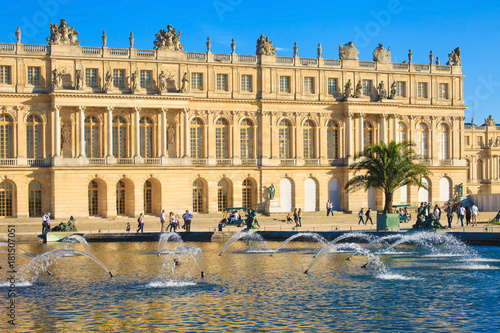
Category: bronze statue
[251,219]
[272,191]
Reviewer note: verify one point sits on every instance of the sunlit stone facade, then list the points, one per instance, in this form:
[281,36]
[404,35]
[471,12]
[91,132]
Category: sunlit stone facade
[99,131]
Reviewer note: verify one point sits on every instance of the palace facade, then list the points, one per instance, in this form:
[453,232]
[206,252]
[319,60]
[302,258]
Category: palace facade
[99,131]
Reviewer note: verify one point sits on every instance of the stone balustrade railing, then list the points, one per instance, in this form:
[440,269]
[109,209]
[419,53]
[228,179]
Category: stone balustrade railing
[131,53]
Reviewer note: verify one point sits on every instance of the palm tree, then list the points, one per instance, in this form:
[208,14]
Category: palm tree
[387,167]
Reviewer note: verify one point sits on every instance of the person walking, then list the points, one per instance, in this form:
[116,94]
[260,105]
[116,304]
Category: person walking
[468,216]
[436,213]
[127,229]
[296,218]
[172,224]
[140,223]
[187,216]
[461,214]
[368,216]
[47,227]
[475,214]
[44,223]
[162,220]
[449,214]
[329,208]
[299,215]
[361,214]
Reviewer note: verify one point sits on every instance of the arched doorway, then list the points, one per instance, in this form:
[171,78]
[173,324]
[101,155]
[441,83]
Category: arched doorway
[404,194]
[121,198]
[222,195]
[444,189]
[334,193]
[423,194]
[286,190]
[310,190]
[35,198]
[6,199]
[372,200]
[247,190]
[198,196]
[93,198]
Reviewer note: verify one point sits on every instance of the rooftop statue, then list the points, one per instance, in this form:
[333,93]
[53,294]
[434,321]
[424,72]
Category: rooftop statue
[454,58]
[382,93]
[348,52]
[168,40]
[380,54]
[348,89]
[489,121]
[265,46]
[62,34]
[359,90]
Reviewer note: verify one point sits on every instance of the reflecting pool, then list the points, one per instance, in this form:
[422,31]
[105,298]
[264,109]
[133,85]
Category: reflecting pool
[421,283]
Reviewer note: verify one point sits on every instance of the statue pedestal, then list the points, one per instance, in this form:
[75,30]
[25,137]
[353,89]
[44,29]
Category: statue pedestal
[66,150]
[273,206]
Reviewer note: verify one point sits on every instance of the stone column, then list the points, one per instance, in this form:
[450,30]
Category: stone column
[110,131]
[57,130]
[472,169]
[432,140]
[137,138]
[395,125]
[349,137]
[163,135]
[383,135]
[187,151]
[81,125]
[361,133]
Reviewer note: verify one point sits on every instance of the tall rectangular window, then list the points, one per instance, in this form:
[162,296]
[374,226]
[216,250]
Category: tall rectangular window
[246,83]
[367,87]
[422,90]
[34,76]
[400,89]
[91,77]
[308,85]
[5,74]
[221,82]
[443,90]
[284,84]
[119,78]
[332,86]
[146,79]
[196,81]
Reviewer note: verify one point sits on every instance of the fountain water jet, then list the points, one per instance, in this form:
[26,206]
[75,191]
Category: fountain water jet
[315,236]
[342,237]
[377,241]
[245,235]
[167,237]
[42,261]
[77,238]
[172,259]
[17,247]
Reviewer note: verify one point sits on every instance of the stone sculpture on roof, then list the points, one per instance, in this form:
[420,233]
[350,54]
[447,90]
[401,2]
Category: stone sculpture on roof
[382,93]
[168,40]
[380,54]
[265,46]
[454,58]
[489,121]
[62,34]
[348,52]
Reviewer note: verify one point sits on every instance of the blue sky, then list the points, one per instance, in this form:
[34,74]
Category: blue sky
[401,24]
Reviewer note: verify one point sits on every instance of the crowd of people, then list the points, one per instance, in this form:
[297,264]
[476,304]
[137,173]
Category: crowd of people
[469,213]
[173,222]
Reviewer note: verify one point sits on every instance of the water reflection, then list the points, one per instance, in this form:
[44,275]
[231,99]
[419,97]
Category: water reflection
[244,291]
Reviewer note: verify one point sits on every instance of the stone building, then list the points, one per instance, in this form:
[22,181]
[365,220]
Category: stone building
[99,131]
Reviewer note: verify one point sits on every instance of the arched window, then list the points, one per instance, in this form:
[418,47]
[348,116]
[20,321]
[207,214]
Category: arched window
[367,133]
[93,198]
[422,140]
[6,136]
[222,195]
[333,139]
[35,198]
[197,138]
[285,130]
[198,192]
[443,141]
[246,139]
[308,139]
[479,169]
[247,192]
[34,136]
[146,133]
[6,198]
[221,139]
[91,137]
[120,197]
[148,191]
[401,132]
[119,137]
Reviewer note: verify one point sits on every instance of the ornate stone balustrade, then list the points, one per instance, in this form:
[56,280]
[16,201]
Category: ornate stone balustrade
[35,49]
[288,162]
[249,162]
[224,162]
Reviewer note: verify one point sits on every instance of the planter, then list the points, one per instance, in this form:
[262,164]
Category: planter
[387,222]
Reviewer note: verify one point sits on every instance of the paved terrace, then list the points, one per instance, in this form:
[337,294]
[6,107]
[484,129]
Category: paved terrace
[208,223]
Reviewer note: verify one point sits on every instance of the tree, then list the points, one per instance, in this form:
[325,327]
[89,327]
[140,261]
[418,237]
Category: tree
[387,167]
